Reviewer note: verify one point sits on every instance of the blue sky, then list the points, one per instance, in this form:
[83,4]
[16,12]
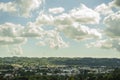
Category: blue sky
[60,28]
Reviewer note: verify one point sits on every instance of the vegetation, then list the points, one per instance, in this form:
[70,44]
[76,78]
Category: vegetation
[115,75]
[10,63]
[25,61]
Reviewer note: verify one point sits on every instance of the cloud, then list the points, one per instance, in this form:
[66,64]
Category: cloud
[104,9]
[106,44]
[112,33]
[21,7]
[72,24]
[113,25]
[10,30]
[10,35]
[25,7]
[32,31]
[81,15]
[44,19]
[54,40]
[12,41]
[56,10]
[63,19]
[15,34]
[15,50]
[85,15]
[16,30]
[68,25]
[80,32]
[7,7]
[115,3]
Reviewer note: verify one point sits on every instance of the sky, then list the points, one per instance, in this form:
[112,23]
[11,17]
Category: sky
[60,28]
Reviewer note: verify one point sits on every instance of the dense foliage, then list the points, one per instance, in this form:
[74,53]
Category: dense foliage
[61,61]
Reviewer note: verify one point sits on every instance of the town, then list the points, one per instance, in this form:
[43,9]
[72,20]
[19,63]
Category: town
[11,70]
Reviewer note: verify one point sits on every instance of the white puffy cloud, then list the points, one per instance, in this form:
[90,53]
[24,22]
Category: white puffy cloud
[21,7]
[15,34]
[71,24]
[80,32]
[16,30]
[113,25]
[63,19]
[104,9]
[112,33]
[54,40]
[10,34]
[85,15]
[10,30]
[106,44]
[7,7]
[44,19]
[56,10]
[115,3]
[32,31]
[82,15]
[25,7]
[12,41]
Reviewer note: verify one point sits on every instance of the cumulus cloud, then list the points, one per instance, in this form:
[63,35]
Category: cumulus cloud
[44,19]
[54,40]
[85,15]
[10,30]
[21,7]
[10,35]
[104,9]
[115,3]
[15,34]
[25,7]
[8,7]
[71,24]
[82,15]
[63,19]
[80,32]
[12,41]
[56,10]
[113,25]
[106,44]
[112,33]
[32,31]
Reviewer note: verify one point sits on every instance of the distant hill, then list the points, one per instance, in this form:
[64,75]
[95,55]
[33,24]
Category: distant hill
[110,62]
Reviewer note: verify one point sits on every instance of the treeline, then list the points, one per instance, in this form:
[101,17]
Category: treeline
[61,61]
